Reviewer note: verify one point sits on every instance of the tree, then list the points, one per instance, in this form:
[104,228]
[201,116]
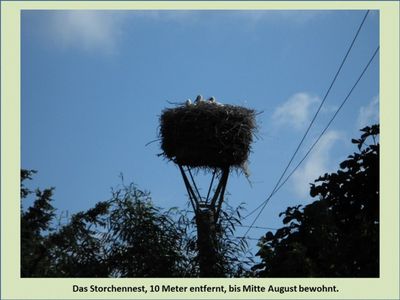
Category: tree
[35,221]
[143,241]
[337,235]
[125,236]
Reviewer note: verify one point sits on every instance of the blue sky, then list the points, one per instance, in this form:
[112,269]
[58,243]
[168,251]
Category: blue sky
[95,82]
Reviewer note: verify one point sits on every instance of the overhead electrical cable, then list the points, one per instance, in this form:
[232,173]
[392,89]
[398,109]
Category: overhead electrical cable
[315,116]
[316,141]
[258,227]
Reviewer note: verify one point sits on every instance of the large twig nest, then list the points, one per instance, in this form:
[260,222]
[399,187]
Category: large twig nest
[207,134]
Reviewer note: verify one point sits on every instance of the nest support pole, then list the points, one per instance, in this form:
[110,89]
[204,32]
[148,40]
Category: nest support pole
[192,196]
[207,215]
[194,183]
[216,201]
[190,135]
[207,244]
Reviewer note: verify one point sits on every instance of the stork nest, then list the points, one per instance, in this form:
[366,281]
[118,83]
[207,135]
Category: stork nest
[207,134]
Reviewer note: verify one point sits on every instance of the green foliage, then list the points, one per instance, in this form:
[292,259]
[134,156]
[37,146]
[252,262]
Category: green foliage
[126,236]
[34,222]
[234,258]
[145,242]
[76,249]
[337,235]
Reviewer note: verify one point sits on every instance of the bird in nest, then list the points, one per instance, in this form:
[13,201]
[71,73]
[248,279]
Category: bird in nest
[188,102]
[199,99]
[212,100]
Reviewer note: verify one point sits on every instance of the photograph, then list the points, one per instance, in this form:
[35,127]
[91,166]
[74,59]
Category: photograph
[200,150]
[200,143]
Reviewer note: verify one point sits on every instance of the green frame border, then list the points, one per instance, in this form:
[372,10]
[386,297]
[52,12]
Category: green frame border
[13,287]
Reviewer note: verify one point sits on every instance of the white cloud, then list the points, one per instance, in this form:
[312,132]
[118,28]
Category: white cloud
[317,163]
[296,111]
[101,30]
[87,30]
[369,113]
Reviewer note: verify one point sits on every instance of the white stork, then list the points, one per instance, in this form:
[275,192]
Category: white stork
[212,100]
[199,98]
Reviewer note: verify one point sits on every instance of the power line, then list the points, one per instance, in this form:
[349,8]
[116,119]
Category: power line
[258,227]
[315,116]
[331,120]
[316,141]
[240,225]
[249,238]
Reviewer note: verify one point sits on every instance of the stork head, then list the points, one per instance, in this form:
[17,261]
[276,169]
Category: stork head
[199,98]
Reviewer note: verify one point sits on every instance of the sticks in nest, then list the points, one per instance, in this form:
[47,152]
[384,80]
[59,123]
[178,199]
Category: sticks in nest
[207,134]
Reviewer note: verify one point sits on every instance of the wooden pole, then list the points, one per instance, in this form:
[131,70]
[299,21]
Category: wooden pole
[192,195]
[207,244]
[206,216]
[221,196]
